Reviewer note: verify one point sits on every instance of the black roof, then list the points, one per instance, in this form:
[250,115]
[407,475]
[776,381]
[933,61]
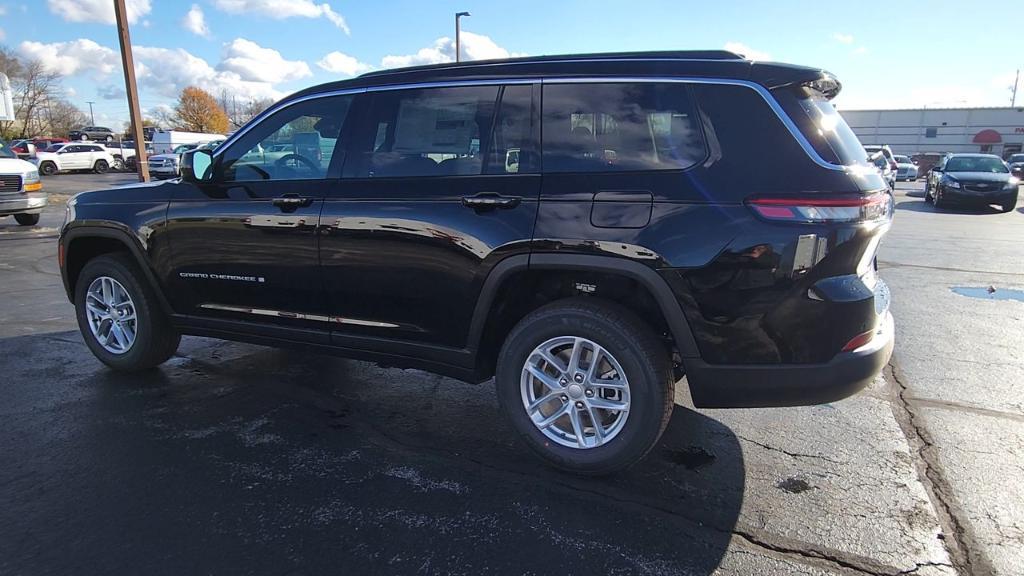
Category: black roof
[698,64]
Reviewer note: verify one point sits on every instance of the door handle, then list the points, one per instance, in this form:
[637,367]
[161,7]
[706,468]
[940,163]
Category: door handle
[291,201]
[490,201]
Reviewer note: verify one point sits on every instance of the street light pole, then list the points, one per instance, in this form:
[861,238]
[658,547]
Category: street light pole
[458,34]
[91,116]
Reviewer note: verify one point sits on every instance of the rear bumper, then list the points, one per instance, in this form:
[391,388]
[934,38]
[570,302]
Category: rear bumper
[30,203]
[766,385]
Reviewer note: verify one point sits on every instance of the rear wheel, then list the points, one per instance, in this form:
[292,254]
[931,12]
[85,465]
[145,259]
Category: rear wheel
[118,163]
[27,219]
[586,384]
[100,167]
[110,138]
[119,315]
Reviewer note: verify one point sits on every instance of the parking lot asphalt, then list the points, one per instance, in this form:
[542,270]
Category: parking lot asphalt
[238,459]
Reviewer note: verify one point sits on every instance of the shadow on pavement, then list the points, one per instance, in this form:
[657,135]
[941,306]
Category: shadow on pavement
[240,459]
[922,206]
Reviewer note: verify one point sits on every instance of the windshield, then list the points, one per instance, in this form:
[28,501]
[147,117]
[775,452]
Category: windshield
[6,152]
[1016,158]
[880,161]
[829,124]
[975,164]
[902,159]
[184,148]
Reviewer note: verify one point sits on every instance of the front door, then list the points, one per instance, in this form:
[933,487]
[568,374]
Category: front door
[244,245]
[441,184]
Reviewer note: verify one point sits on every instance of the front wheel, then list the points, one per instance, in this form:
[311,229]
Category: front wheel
[110,138]
[119,315]
[48,168]
[586,384]
[1009,205]
[100,167]
[27,219]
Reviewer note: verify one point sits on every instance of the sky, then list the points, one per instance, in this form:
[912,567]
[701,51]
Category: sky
[938,53]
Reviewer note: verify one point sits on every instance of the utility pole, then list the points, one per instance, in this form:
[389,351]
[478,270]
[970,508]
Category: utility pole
[141,162]
[1016,81]
[458,34]
[91,117]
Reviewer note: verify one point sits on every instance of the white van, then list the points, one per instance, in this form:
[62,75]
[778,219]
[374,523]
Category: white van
[166,142]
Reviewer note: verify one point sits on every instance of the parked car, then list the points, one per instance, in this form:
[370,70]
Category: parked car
[1016,164]
[972,179]
[168,165]
[74,156]
[24,149]
[887,151]
[123,152]
[164,142]
[906,169]
[21,191]
[884,168]
[729,237]
[97,133]
[927,160]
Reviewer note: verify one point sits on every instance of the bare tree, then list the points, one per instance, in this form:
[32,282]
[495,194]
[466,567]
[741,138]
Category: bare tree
[63,117]
[33,88]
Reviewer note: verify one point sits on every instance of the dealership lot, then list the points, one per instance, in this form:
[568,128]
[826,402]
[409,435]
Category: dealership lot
[238,459]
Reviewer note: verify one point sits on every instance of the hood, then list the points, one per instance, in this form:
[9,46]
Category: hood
[979,176]
[168,156]
[15,166]
[46,154]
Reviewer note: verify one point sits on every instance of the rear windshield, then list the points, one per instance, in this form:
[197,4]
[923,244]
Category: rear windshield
[830,125]
[975,164]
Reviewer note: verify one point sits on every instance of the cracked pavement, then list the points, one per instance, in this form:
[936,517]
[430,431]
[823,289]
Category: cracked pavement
[234,458]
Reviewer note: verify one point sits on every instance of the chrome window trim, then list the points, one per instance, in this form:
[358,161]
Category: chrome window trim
[761,90]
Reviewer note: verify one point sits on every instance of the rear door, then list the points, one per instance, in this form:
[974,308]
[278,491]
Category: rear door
[441,185]
[244,246]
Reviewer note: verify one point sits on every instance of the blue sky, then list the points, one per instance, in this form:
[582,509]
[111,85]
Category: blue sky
[910,54]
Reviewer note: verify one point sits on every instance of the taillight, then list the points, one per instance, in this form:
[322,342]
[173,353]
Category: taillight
[893,164]
[60,255]
[823,208]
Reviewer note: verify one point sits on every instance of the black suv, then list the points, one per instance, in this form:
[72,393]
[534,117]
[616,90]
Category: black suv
[97,133]
[585,229]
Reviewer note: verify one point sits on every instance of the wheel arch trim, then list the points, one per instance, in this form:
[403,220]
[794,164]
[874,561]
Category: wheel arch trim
[646,276]
[111,231]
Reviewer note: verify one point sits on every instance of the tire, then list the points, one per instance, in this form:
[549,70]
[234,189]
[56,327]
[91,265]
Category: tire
[27,219]
[1009,206]
[631,344]
[937,200]
[110,138]
[100,167]
[48,169]
[927,194]
[84,137]
[118,163]
[155,339]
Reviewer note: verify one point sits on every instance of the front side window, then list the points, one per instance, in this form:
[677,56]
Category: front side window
[619,127]
[428,132]
[295,143]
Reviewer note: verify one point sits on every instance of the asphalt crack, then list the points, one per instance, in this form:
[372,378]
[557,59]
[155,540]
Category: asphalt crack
[959,545]
[796,455]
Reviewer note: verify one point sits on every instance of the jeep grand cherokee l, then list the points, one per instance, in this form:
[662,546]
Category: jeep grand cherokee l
[667,214]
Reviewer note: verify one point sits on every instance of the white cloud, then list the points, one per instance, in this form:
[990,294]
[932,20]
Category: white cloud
[282,9]
[111,92]
[474,47]
[340,63]
[73,57]
[252,62]
[195,22]
[747,51]
[860,50]
[843,38]
[167,71]
[967,95]
[101,11]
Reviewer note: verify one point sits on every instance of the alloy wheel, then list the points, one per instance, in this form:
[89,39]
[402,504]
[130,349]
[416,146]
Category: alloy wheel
[111,314]
[575,392]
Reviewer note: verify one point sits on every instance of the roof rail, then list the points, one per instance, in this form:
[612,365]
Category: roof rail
[653,55]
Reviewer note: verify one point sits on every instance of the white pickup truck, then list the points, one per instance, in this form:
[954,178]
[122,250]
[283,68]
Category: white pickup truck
[21,191]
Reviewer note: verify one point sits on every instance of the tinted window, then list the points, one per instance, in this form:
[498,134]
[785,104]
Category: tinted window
[296,143]
[827,124]
[511,144]
[6,152]
[94,149]
[618,127]
[1016,158]
[428,132]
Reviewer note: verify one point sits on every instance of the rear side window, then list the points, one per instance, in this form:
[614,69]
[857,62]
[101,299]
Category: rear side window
[619,127]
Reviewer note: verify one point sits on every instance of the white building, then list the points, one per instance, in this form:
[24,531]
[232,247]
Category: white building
[991,130]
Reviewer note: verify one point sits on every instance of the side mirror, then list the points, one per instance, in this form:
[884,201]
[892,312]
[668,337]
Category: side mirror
[197,166]
[937,169]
